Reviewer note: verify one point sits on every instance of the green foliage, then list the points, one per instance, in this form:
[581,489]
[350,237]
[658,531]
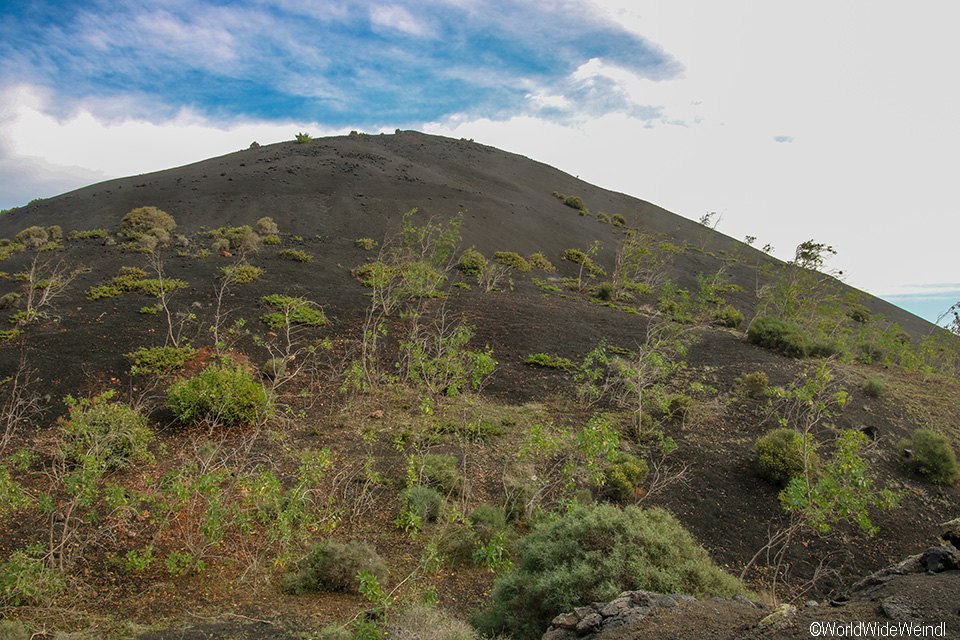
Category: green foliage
[101,435]
[728,316]
[270,239]
[513,260]
[812,255]
[931,455]
[778,335]
[873,388]
[472,262]
[159,361]
[539,261]
[267,226]
[579,257]
[241,273]
[150,310]
[591,554]
[303,138]
[333,566]
[678,407]
[26,579]
[33,237]
[88,234]
[296,255]
[784,454]
[574,202]
[367,244]
[180,563]
[755,384]
[139,560]
[437,358]
[618,220]
[292,311]
[550,361]
[134,280]
[240,239]
[148,221]
[842,492]
[419,505]
[219,395]
[676,304]
[624,477]
[442,473]
[10,300]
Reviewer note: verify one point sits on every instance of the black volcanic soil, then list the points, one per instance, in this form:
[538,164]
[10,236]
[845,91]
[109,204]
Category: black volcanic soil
[326,194]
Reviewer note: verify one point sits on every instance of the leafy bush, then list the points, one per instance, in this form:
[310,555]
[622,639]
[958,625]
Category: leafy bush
[873,388]
[104,435]
[618,220]
[755,384]
[242,273]
[33,237]
[550,361]
[88,234]
[604,292]
[159,361]
[513,260]
[442,473]
[539,261]
[679,406]
[55,232]
[574,202]
[26,579]
[420,504]
[577,256]
[270,239]
[303,138]
[624,477]
[148,221]
[295,311]
[931,455]
[133,279]
[591,554]
[296,255]
[333,566]
[10,300]
[780,455]
[237,239]
[728,316]
[778,335]
[367,244]
[423,622]
[472,262]
[267,226]
[219,395]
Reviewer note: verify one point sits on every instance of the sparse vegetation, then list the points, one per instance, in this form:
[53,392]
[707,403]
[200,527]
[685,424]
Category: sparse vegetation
[289,310]
[367,244]
[104,434]
[784,454]
[303,138]
[930,454]
[159,361]
[148,222]
[539,261]
[134,280]
[513,260]
[472,262]
[297,255]
[780,336]
[334,566]
[242,273]
[550,361]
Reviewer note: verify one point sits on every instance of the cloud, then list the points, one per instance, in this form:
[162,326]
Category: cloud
[786,139]
[397,18]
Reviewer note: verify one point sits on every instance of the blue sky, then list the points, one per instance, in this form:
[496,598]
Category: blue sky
[824,120]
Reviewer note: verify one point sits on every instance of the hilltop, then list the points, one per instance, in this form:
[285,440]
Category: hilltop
[436,347]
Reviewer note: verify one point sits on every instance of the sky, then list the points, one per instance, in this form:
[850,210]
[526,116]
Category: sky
[832,121]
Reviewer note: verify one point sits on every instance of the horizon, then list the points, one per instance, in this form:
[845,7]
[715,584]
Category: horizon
[782,120]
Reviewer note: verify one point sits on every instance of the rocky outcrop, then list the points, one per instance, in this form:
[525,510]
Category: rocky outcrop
[628,608]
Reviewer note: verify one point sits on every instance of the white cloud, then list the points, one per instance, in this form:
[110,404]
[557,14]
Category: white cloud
[397,18]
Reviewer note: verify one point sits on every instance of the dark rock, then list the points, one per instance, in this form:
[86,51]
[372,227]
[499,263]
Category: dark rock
[566,621]
[897,608]
[589,623]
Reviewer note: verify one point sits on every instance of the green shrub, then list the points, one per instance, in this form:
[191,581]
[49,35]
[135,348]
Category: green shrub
[472,262]
[274,368]
[296,311]
[550,361]
[591,554]
[104,435]
[574,202]
[10,300]
[267,226]
[539,261]
[931,455]
[618,220]
[88,234]
[778,335]
[755,384]
[873,388]
[271,239]
[33,237]
[513,260]
[367,244]
[242,273]
[779,455]
[824,348]
[148,221]
[237,239]
[442,473]
[332,566]
[159,361]
[423,503]
[858,313]
[219,395]
[423,622]
[133,279]
[577,256]
[604,218]
[303,138]
[624,477]
[55,232]
[679,406]
[728,316]
[296,255]
[27,579]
